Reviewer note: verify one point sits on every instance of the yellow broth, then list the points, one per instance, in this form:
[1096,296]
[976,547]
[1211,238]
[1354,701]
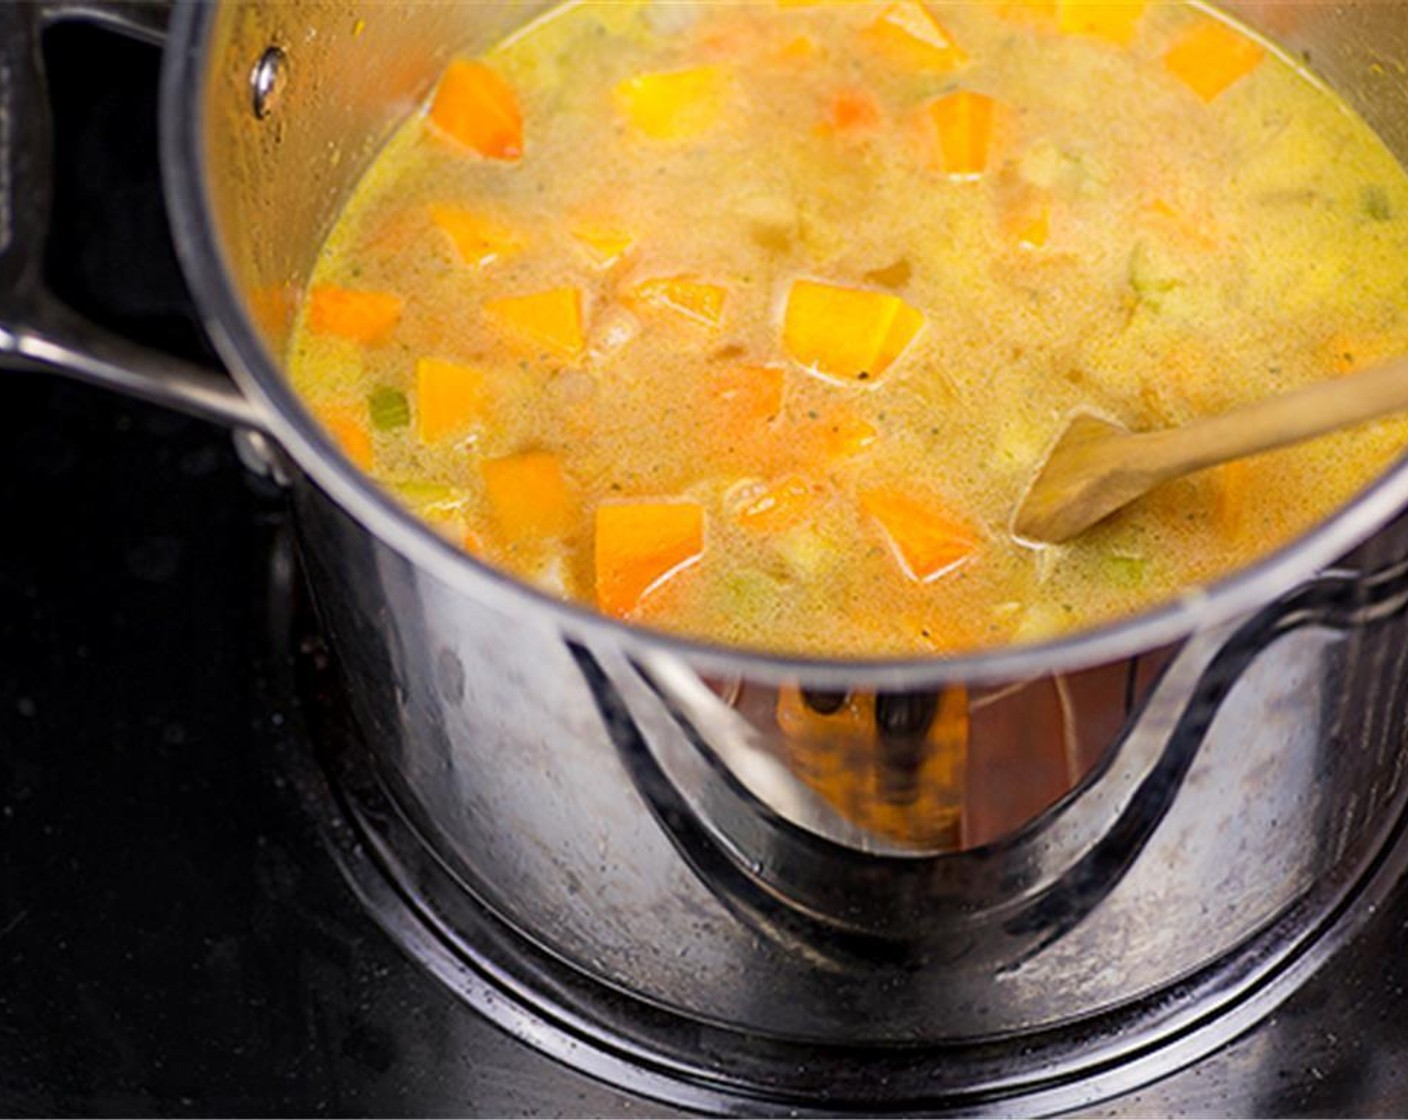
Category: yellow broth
[752,322]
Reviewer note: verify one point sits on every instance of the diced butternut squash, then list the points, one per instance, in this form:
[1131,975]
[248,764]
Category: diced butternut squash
[365,317]
[694,299]
[847,435]
[529,495]
[844,332]
[928,540]
[606,244]
[1029,11]
[477,240]
[350,430]
[908,32]
[1115,20]
[771,506]
[1032,231]
[750,394]
[476,107]
[964,121]
[641,544]
[673,104]
[1212,56]
[449,398]
[552,318]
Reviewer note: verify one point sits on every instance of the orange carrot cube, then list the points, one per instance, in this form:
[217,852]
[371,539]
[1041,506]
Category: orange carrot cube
[852,111]
[639,546]
[529,496]
[351,432]
[1212,56]
[365,317]
[479,109]
[928,540]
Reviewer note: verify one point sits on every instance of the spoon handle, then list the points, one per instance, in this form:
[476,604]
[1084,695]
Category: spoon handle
[1277,421]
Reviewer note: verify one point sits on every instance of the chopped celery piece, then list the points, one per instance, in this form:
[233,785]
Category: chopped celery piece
[1129,572]
[428,498]
[1374,199]
[389,408]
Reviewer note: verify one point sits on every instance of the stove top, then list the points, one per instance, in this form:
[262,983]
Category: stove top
[177,931]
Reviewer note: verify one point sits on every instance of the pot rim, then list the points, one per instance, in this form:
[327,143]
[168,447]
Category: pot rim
[258,374]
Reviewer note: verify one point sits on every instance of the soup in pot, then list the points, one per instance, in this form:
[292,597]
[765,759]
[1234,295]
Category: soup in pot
[753,322]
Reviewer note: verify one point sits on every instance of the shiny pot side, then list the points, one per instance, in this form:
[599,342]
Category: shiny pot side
[613,793]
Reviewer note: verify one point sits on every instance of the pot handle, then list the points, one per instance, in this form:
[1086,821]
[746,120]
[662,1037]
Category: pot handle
[36,329]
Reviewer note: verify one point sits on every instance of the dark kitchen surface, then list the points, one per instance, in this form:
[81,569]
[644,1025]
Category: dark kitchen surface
[174,938]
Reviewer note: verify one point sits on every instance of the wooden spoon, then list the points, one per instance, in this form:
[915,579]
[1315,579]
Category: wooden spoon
[1098,467]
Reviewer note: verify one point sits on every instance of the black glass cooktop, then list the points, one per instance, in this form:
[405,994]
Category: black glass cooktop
[174,936]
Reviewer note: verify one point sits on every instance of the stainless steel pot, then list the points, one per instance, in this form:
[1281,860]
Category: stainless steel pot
[887,854]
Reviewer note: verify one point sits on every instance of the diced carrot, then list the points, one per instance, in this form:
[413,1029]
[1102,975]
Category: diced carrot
[1114,20]
[1233,502]
[847,435]
[964,122]
[479,109]
[528,494]
[606,244]
[752,394]
[449,397]
[478,240]
[640,545]
[350,430]
[552,318]
[853,110]
[770,506]
[798,50]
[472,543]
[272,308]
[673,104]
[1212,56]
[365,317]
[907,31]
[846,332]
[694,299]
[928,540]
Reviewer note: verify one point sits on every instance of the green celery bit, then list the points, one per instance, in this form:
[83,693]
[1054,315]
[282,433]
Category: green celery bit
[1129,572]
[389,408]
[748,593]
[427,497]
[1374,201]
